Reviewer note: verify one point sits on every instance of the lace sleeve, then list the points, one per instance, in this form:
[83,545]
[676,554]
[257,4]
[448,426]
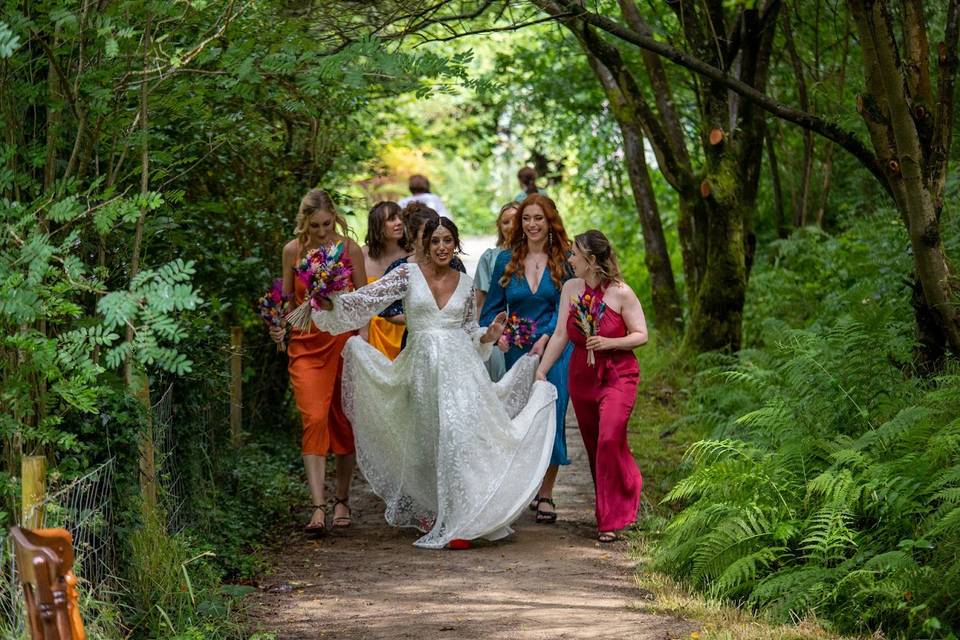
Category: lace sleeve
[396,308]
[474,330]
[353,310]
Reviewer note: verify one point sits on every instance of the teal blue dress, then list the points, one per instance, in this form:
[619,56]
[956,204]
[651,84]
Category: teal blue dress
[542,307]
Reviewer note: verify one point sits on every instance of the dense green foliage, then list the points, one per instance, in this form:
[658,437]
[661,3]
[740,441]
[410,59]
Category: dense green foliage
[152,159]
[829,483]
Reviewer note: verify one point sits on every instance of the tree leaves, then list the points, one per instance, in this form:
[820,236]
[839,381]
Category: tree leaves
[9,41]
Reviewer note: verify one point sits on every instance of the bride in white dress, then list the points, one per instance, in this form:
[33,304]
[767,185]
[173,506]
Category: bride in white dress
[446,448]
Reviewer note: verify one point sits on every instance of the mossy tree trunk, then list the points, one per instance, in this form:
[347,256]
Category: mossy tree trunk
[910,123]
[715,229]
[910,129]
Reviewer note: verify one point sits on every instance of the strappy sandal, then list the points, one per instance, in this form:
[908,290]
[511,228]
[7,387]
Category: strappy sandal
[607,536]
[546,517]
[317,529]
[342,522]
[534,504]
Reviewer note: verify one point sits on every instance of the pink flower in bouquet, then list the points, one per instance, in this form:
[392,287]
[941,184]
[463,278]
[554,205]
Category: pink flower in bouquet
[323,272]
[519,332]
[270,307]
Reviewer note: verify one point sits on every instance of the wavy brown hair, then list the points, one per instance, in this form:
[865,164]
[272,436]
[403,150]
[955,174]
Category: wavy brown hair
[415,215]
[557,242]
[376,239]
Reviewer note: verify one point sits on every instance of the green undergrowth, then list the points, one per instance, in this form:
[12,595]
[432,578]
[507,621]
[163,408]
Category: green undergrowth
[824,483]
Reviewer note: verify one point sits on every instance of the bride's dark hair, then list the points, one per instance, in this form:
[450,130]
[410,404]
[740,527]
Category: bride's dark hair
[433,225]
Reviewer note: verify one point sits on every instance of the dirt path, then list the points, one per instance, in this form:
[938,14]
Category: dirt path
[542,582]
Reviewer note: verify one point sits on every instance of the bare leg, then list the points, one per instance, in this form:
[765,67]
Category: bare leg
[345,466]
[546,487]
[316,467]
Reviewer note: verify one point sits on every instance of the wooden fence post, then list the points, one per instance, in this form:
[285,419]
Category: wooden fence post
[236,384]
[140,388]
[33,487]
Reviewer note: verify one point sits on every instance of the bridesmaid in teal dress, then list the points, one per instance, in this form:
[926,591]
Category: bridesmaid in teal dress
[527,280]
[496,366]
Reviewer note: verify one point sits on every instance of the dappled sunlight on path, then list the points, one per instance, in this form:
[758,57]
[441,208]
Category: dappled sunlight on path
[542,582]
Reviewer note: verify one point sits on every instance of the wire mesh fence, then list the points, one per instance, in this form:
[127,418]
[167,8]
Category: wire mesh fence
[84,507]
[189,428]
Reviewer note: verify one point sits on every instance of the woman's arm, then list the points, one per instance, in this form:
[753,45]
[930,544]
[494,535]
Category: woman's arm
[359,269]
[481,298]
[632,314]
[483,337]
[481,279]
[559,339]
[349,311]
[288,259]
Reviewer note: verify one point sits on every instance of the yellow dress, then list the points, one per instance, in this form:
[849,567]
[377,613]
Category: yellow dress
[385,336]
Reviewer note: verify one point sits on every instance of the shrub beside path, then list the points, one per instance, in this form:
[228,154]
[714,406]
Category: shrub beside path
[543,582]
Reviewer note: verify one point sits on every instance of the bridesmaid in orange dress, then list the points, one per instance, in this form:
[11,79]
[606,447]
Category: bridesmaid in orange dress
[315,364]
[386,242]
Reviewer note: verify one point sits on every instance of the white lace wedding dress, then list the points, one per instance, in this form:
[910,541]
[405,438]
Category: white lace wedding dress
[446,448]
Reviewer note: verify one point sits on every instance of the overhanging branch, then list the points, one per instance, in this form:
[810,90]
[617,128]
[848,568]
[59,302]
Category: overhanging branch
[846,139]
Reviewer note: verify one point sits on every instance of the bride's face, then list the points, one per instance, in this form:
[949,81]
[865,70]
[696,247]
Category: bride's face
[442,247]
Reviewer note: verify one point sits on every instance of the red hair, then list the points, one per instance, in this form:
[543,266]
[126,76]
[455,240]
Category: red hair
[557,242]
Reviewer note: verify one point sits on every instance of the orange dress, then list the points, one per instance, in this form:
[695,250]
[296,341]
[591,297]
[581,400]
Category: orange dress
[315,367]
[385,336]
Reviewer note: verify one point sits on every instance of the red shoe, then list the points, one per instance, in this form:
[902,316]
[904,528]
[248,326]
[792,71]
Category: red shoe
[459,544]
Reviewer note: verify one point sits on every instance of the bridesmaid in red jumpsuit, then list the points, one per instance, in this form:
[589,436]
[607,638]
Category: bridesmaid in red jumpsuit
[604,393]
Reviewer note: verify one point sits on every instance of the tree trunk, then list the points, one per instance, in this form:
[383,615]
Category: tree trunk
[717,311]
[666,303]
[915,201]
[783,229]
[129,373]
[801,199]
[621,91]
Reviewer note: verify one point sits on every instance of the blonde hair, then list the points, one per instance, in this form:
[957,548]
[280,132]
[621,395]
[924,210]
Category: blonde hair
[510,206]
[593,243]
[317,200]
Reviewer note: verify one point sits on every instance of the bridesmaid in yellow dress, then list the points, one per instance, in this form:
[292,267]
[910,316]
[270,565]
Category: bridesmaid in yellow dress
[386,243]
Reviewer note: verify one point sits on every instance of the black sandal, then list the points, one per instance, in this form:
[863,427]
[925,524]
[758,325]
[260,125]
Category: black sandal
[534,504]
[317,529]
[342,522]
[546,517]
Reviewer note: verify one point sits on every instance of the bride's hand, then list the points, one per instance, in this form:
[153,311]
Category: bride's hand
[495,330]
[324,303]
[540,345]
[503,345]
